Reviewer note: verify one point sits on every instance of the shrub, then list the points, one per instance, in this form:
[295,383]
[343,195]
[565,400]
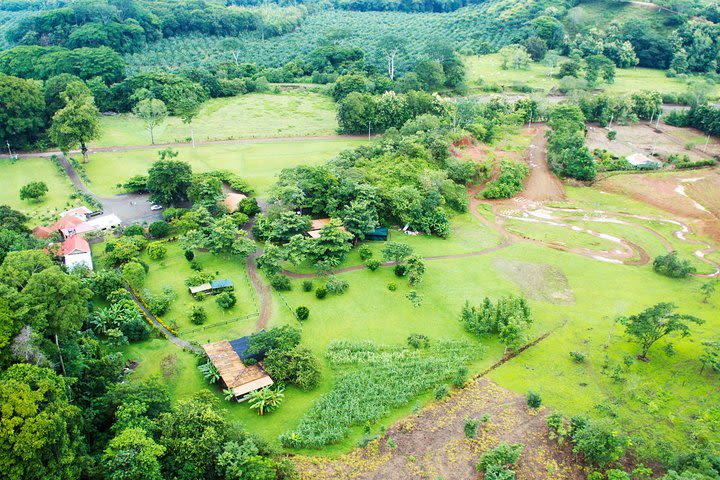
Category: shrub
[470,427]
[189,255]
[534,400]
[198,315]
[392,287]
[198,279]
[320,293]
[365,253]
[504,455]
[441,392]
[195,265]
[611,135]
[159,229]
[248,206]
[418,340]
[302,312]
[599,443]
[307,286]
[134,230]
[226,300]
[372,264]
[400,270]
[134,274]
[577,357]
[336,286]
[461,377]
[281,283]
[615,474]
[671,266]
[297,366]
[156,251]
[510,181]
[200,296]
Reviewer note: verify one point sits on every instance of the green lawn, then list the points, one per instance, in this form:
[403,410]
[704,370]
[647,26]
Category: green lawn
[487,68]
[26,170]
[257,115]
[658,399]
[258,163]
[174,269]
[597,12]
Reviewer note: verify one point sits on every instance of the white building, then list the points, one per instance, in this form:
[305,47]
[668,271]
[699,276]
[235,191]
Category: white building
[76,251]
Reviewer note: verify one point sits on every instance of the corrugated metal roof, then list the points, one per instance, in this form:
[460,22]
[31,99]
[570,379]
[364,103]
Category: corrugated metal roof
[221,283]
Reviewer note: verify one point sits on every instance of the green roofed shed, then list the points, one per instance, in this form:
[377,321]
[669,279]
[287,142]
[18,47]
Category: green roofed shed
[379,234]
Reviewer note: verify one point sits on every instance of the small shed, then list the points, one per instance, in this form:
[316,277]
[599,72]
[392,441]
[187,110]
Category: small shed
[642,161]
[240,378]
[380,234]
[317,225]
[211,288]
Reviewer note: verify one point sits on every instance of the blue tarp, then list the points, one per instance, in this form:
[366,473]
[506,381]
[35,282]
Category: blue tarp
[240,345]
[221,284]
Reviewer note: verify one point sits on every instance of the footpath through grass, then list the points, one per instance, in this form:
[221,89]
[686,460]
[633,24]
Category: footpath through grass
[256,115]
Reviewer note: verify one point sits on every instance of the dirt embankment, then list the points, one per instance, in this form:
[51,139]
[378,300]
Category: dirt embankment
[431,444]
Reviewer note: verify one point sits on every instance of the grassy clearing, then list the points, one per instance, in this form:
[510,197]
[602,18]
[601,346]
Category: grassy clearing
[256,115]
[16,174]
[172,272]
[487,68]
[597,12]
[258,163]
[652,400]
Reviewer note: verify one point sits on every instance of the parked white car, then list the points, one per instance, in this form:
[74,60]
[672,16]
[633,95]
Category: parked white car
[156,207]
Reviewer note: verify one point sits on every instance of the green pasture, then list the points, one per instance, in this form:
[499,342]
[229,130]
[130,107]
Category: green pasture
[33,169]
[658,399]
[596,13]
[257,115]
[485,69]
[257,162]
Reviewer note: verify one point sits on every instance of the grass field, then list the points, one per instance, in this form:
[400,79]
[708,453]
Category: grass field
[597,12]
[650,400]
[487,68]
[258,163]
[256,115]
[16,174]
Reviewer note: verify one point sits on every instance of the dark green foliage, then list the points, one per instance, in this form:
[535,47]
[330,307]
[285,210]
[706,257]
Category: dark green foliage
[672,266]
[280,282]
[159,229]
[510,181]
[320,293]
[534,400]
[509,317]
[283,338]
[365,253]
[302,312]
[470,427]
[578,357]
[373,264]
[198,315]
[418,340]
[189,255]
[400,270]
[307,285]
[226,300]
[461,377]
[33,191]
[598,442]
[567,154]
[441,392]
[504,456]
[168,181]
[656,322]
[22,116]
[336,286]
[297,366]
[135,229]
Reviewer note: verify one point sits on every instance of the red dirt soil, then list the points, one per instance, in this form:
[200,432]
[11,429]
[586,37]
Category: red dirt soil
[431,444]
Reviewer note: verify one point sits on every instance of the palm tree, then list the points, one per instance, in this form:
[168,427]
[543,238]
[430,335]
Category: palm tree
[266,400]
[229,394]
[209,372]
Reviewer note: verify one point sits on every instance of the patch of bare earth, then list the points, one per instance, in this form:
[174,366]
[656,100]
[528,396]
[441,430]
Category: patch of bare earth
[537,281]
[431,444]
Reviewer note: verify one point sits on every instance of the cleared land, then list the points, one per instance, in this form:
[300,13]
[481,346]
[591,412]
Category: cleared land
[538,76]
[256,115]
[16,174]
[258,163]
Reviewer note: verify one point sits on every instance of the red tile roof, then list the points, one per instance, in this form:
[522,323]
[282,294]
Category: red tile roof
[75,243]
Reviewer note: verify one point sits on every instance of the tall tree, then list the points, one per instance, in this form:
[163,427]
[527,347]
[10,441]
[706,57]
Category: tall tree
[152,112]
[21,111]
[39,431]
[391,47]
[168,181]
[656,322]
[188,108]
[133,455]
[78,122]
